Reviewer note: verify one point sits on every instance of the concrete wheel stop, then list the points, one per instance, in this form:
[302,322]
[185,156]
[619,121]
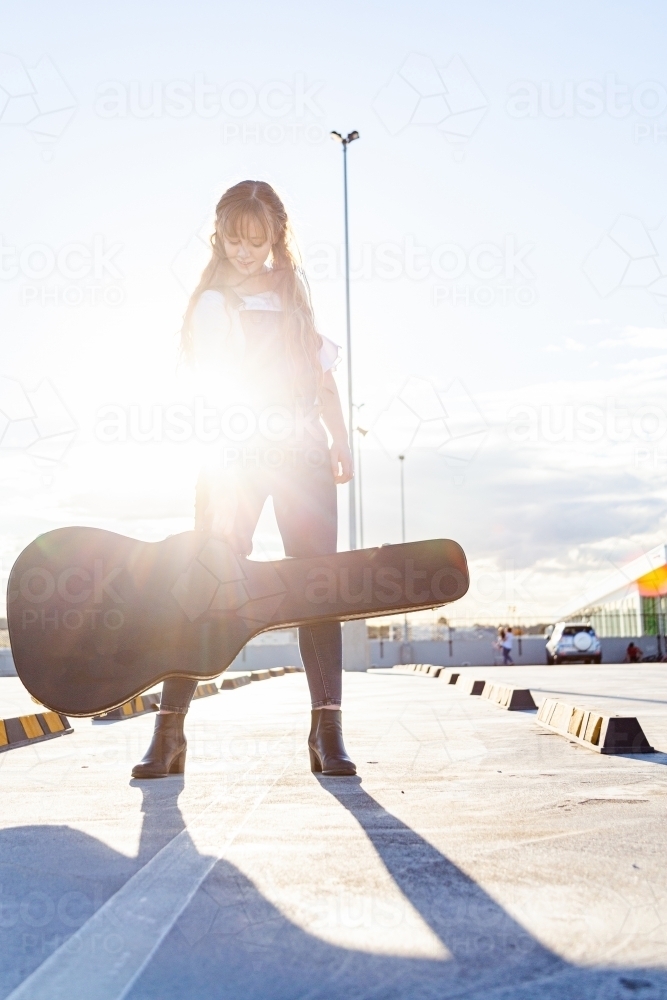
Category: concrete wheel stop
[234,681]
[229,683]
[448,676]
[205,690]
[136,706]
[607,734]
[27,729]
[511,698]
[427,669]
[470,686]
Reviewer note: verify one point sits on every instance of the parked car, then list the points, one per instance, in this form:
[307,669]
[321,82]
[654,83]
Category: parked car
[572,642]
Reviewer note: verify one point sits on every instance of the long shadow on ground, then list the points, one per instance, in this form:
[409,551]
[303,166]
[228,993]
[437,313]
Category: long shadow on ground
[232,943]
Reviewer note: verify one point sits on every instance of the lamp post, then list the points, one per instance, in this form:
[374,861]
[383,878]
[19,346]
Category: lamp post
[401,459]
[345,142]
[362,431]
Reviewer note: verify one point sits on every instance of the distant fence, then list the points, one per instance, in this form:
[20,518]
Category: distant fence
[462,650]
[529,649]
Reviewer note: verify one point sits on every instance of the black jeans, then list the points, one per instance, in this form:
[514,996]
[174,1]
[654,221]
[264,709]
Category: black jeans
[304,500]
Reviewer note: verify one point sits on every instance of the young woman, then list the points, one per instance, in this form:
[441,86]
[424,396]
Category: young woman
[249,332]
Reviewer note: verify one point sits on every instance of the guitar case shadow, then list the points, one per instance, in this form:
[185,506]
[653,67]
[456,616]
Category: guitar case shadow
[95,618]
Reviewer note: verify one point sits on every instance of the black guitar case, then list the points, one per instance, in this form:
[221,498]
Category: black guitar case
[96,618]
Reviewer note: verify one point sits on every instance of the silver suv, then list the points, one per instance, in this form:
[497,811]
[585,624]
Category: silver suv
[573,641]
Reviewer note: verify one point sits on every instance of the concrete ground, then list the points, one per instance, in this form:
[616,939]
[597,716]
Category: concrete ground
[476,855]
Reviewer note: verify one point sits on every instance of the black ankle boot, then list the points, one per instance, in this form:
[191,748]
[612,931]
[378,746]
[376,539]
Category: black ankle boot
[325,743]
[166,754]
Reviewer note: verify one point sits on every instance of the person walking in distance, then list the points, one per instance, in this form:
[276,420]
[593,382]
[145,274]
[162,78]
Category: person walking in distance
[506,646]
[498,644]
[249,334]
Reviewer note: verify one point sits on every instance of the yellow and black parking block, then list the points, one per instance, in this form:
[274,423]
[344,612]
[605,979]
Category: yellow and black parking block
[511,698]
[136,706]
[27,729]
[204,690]
[607,734]
[234,681]
[471,686]
[448,676]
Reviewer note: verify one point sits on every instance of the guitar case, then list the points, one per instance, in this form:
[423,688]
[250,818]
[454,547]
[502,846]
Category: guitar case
[96,618]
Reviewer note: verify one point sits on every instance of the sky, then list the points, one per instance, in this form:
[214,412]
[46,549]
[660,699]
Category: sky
[508,227]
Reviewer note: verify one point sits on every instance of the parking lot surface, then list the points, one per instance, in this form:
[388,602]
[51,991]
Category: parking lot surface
[474,855]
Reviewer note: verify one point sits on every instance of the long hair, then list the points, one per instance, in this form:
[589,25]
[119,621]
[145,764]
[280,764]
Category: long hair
[256,201]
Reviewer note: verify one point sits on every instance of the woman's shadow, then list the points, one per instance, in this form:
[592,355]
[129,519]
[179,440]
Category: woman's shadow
[54,877]
[231,941]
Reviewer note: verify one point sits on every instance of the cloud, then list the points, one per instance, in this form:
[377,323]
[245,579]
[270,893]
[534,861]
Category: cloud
[645,338]
[569,344]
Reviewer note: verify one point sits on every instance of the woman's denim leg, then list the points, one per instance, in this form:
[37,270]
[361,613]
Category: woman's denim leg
[177,693]
[321,650]
[304,501]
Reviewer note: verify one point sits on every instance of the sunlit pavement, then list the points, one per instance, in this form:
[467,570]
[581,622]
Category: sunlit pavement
[475,855]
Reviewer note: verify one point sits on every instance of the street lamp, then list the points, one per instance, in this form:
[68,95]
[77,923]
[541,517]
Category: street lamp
[345,142]
[362,431]
[401,459]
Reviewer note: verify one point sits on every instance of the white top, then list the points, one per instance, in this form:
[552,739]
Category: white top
[217,331]
[507,641]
